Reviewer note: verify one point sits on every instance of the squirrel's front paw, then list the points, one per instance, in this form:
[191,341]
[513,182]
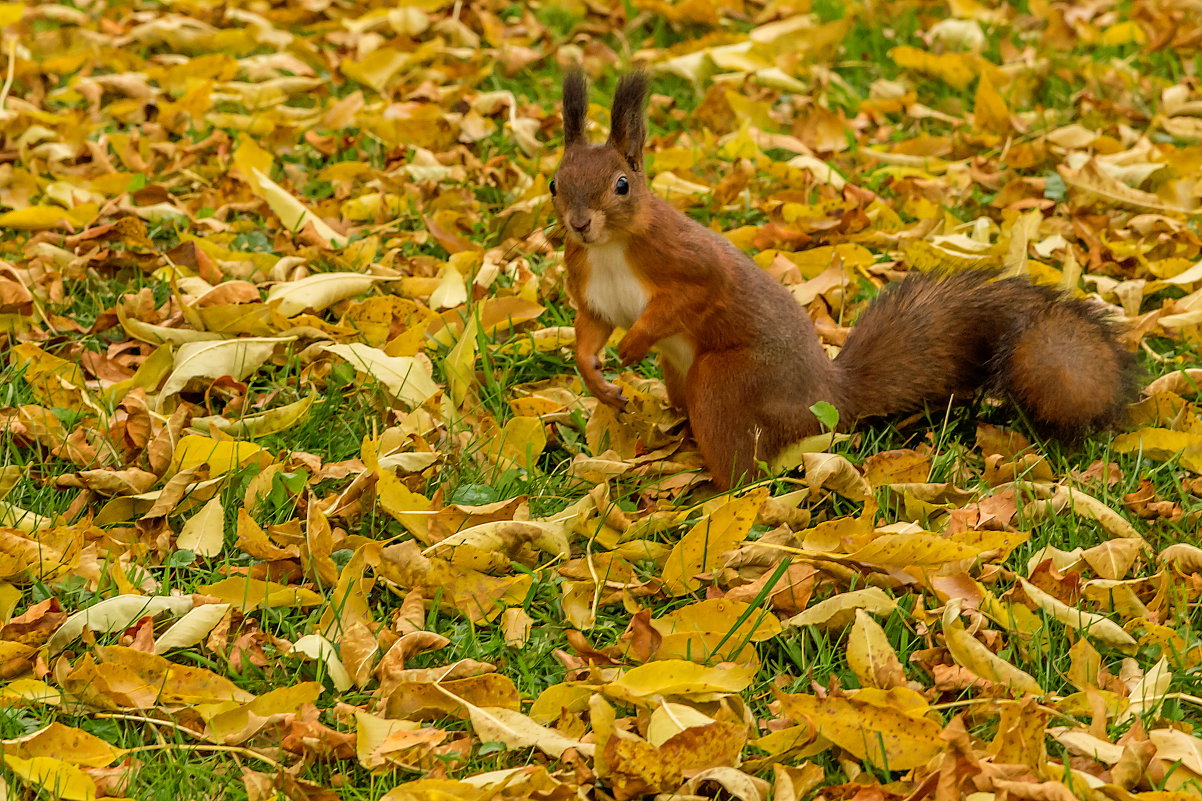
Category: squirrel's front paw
[633,348]
[594,381]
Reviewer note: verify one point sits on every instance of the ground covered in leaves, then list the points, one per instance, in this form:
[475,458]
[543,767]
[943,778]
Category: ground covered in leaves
[302,497]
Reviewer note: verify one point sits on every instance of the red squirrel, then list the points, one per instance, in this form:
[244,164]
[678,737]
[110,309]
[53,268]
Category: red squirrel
[741,357]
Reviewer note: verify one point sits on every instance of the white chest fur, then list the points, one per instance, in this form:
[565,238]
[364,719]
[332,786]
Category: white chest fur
[614,293]
[617,296]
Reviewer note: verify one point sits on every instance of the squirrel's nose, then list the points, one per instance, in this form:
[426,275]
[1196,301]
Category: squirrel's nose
[582,227]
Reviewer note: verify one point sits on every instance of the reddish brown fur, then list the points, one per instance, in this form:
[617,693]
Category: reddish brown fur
[758,366]
[930,339]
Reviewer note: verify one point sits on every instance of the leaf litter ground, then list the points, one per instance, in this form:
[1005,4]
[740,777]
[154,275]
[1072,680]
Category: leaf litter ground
[302,497]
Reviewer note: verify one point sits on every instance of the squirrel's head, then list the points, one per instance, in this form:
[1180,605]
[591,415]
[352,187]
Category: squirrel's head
[599,189]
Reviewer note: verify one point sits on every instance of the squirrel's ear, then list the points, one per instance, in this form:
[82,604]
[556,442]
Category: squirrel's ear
[628,127]
[575,106]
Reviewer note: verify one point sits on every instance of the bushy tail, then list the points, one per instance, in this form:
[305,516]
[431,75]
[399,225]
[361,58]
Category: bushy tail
[933,338]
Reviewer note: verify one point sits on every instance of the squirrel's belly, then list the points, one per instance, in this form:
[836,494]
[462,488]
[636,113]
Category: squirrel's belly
[613,293]
[678,351]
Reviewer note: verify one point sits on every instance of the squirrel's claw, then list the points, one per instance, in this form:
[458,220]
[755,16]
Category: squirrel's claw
[611,395]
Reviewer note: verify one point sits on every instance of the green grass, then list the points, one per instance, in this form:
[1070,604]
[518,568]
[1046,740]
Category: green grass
[348,409]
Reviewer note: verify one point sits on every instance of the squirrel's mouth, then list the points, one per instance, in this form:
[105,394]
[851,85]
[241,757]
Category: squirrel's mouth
[589,237]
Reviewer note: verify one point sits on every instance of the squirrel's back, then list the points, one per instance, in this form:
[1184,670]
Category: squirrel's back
[932,338]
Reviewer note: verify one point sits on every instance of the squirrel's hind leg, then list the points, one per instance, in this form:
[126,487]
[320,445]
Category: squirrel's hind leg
[735,423]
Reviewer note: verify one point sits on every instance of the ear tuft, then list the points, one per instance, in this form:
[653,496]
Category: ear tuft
[575,106]
[628,127]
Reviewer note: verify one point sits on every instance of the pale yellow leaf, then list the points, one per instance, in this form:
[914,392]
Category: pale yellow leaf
[204,532]
[236,358]
[838,610]
[318,292]
[322,650]
[192,628]
[292,213]
[115,614]
[407,378]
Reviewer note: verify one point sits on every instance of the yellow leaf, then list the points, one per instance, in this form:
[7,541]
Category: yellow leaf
[1095,184]
[507,537]
[740,145]
[498,315]
[239,724]
[115,614]
[834,472]
[58,778]
[371,732]
[954,69]
[871,657]
[1123,33]
[1085,665]
[21,692]
[990,113]
[55,382]
[1080,741]
[320,649]
[518,444]
[670,719]
[11,12]
[376,68]
[700,549]
[247,593]
[1163,444]
[969,652]
[1112,559]
[237,358]
[451,290]
[497,724]
[221,455]
[1087,623]
[460,364]
[892,734]
[262,424]
[1183,556]
[407,506]
[1149,692]
[919,549]
[466,591]
[36,218]
[721,615]
[567,696]
[118,676]
[673,186]
[426,700]
[250,159]
[707,648]
[679,677]
[72,745]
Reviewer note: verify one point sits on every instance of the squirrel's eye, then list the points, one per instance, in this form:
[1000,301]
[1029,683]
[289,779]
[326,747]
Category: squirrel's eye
[552,186]
[622,186]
